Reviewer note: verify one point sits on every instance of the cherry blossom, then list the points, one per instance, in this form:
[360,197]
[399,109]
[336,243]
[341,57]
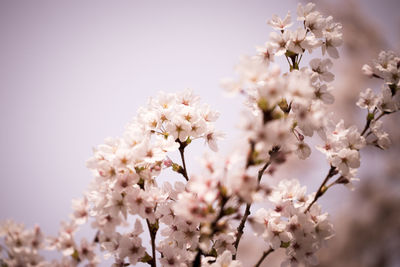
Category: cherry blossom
[200,219]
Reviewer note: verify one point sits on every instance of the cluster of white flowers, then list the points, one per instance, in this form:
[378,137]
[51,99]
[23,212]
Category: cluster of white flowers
[169,122]
[386,67]
[64,242]
[125,170]
[201,223]
[318,31]
[22,245]
[286,107]
[179,117]
[341,147]
[387,101]
[289,227]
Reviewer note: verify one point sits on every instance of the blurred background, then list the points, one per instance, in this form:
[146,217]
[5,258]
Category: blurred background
[74,72]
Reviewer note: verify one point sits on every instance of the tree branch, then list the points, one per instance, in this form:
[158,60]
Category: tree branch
[322,188]
[182,146]
[247,210]
[263,256]
[153,228]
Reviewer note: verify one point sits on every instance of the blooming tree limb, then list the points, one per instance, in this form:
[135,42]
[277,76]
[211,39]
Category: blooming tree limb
[199,222]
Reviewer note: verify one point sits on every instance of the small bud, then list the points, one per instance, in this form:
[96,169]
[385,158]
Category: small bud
[323,189]
[168,162]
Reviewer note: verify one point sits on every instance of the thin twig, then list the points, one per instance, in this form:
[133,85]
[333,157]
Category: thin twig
[240,228]
[290,65]
[299,59]
[182,146]
[372,119]
[366,127]
[247,211]
[340,180]
[262,170]
[381,115]
[153,232]
[263,256]
[322,188]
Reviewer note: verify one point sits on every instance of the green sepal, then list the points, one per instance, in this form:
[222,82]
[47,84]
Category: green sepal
[290,53]
[188,141]
[285,244]
[370,116]
[284,105]
[176,167]
[223,191]
[139,169]
[141,183]
[213,253]
[146,258]
[263,104]
[230,211]
[154,227]
[75,255]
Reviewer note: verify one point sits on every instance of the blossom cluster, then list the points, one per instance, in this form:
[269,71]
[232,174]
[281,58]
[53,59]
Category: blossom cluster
[22,244]
[125,170]
[342,148]
[318,31]
[200,221]
[286,107]
[387,101]
[287,226]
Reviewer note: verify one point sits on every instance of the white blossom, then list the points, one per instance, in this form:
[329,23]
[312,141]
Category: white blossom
[278,24]
[368,100]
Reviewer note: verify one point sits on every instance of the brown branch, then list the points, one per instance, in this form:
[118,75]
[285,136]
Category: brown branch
[153,228]
[370,119]
[247,210]
[183,171]
[263,256]
[322,188]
